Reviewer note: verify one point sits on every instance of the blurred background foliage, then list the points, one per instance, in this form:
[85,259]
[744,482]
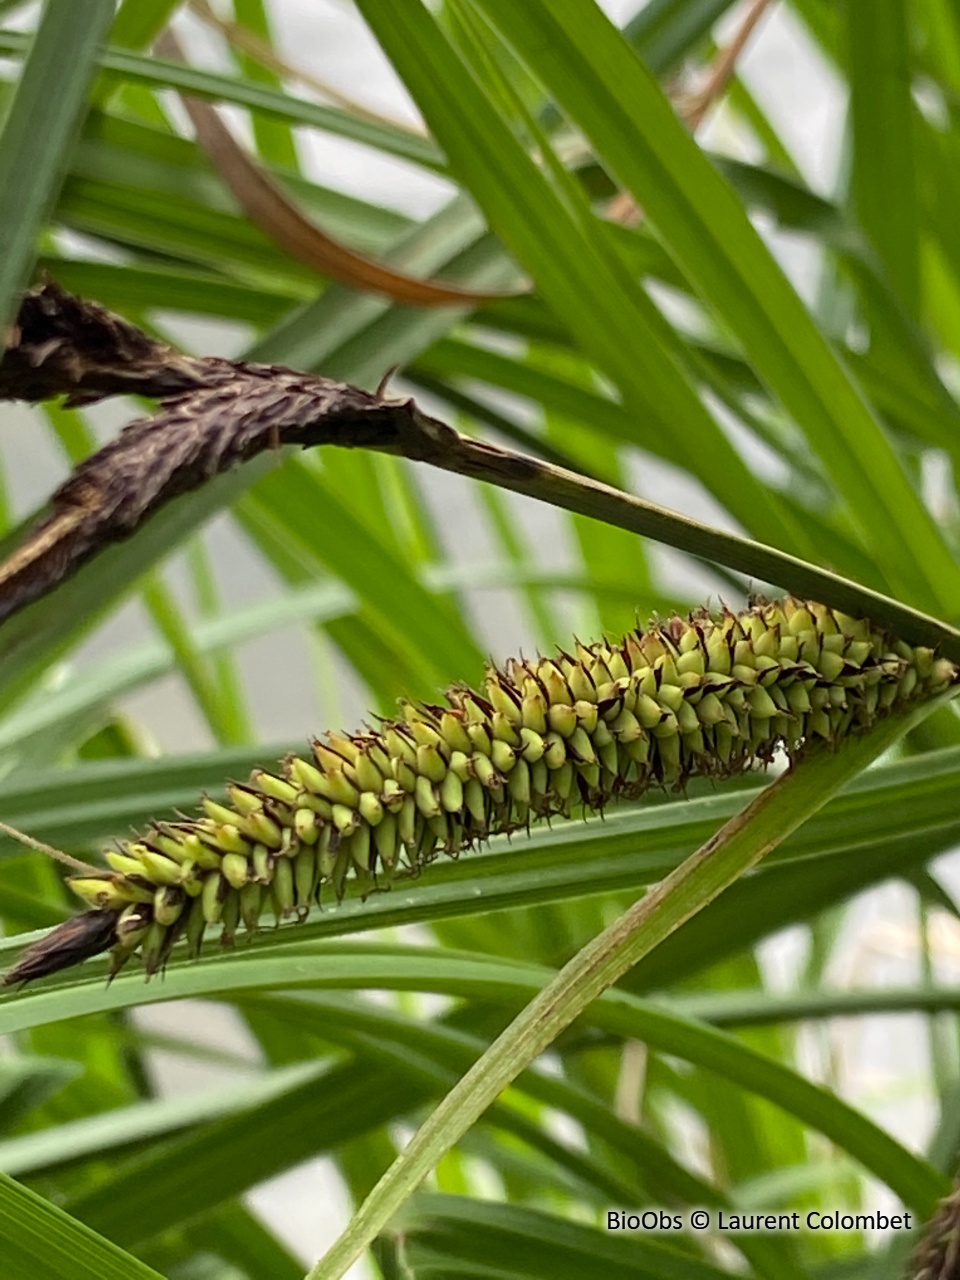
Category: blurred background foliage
[691,304]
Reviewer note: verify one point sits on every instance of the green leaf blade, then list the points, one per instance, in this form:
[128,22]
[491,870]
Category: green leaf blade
[597,77]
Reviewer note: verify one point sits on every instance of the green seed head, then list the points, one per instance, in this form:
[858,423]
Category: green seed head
[711,695]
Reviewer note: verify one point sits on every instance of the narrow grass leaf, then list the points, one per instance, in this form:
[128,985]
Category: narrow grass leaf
[598,79]
[452,1235]
[741,844]
[48,104]
[883,118]
[123,65]
[41,1240]
[567,254]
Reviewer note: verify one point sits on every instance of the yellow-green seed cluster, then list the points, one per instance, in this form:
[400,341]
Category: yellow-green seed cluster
[707,696]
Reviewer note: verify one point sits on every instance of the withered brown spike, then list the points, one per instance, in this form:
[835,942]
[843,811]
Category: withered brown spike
[79,938]
[64,346]
[216,414]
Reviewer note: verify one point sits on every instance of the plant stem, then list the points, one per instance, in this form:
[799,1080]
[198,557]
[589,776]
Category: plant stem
[535,478]
[739,845]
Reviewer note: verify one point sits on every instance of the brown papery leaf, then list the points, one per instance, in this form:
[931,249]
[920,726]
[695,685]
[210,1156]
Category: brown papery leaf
[270,209]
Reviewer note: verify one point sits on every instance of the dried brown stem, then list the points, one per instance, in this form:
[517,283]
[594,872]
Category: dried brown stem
[697,105]
[242,38]
[693,108]
[58,855]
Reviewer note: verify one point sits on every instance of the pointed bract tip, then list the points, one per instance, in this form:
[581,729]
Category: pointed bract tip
[65,945]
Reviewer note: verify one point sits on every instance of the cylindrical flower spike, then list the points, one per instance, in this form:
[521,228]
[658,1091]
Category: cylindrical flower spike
[709,696]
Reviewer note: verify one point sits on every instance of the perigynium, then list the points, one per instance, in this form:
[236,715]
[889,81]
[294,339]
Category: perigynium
[708,696]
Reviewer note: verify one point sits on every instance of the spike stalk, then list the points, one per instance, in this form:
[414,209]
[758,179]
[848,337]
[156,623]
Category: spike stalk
[739,845]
